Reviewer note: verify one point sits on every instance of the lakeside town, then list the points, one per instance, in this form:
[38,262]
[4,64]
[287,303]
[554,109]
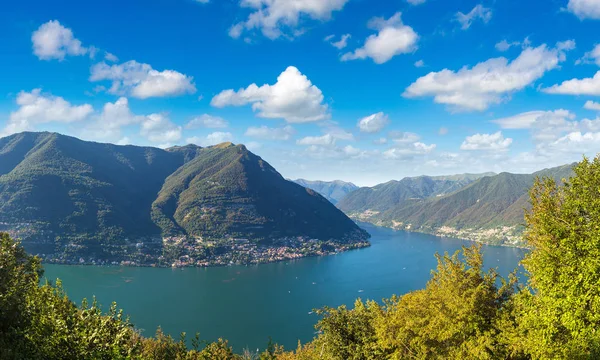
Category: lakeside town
[176,251]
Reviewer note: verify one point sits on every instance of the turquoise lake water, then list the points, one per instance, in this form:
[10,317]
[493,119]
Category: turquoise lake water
[246,305]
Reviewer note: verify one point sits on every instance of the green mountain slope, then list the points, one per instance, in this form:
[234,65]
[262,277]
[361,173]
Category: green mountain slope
[334,191]
[228,191]
[65,196]
[489,209]
[396,193]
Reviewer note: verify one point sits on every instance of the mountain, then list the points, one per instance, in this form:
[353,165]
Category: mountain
[385,196]
[69,197]
[489,209]
[334,191]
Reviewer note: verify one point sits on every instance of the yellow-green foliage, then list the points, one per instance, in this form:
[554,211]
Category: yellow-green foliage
[464,312]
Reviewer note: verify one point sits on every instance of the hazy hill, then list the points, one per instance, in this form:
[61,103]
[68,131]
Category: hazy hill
[489,209]
[385,196]
[334,191]
[61,194]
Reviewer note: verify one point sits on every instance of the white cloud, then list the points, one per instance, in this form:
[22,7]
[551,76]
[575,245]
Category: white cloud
[591,105]
[110,57]
[277,17]
[416,2]
[479,12]
[400,137]
[54,41]
[527,120]
[494,141]
[585,9]
[159,129]
[108,124]
[419,63]
[585,86]
[489,82]
[268,133]
[37,108]
[338,133]
[505,45]
[548,126]
[340,44]
[592,56]
[574,142]
[324,140]
[380,141]
[203,1]
[142,81]
[408,151]
[393,38]
[207,121]
[211,139]
[373,123]
[293,98]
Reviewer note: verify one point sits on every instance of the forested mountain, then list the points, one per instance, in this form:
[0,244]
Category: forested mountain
[385,196]
[334,191]
[62,195]
[489,209]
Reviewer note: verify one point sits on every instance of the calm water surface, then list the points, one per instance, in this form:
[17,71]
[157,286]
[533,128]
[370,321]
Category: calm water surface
[246,305]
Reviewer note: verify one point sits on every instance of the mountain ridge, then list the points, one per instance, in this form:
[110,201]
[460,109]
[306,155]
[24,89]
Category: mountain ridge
[69,197]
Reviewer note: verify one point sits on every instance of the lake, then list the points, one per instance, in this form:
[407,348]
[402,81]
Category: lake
[247,304]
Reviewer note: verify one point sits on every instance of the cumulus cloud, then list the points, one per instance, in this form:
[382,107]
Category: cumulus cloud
[142,81]
[373,123]
[505,45]
[107,126]
[333,129]
[159,129]
[479,12]
[591,105]
[392,38]
[324,140]
[528,119]
[585,86]
[341,43]
[275,18]
[293,98]
[401,137]
[268,133]
[211,139]
[548,126]
[54,41]
[591,57]
[37,108]
[585,9]
[495,142]
[408,151]
[207,121]
[574,142]
[489,82]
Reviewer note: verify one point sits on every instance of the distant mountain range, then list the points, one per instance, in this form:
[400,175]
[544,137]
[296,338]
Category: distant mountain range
[62,195]
[334,191]
[482,207]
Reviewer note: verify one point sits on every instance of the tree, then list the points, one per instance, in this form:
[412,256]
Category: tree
[558,314]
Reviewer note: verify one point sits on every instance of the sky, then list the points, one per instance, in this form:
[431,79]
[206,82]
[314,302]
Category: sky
[359,90]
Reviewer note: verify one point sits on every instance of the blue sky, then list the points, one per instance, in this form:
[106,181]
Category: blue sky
[364,91]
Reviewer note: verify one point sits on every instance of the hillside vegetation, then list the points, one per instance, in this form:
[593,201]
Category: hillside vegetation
[488,209]
[463,312]
[71,198]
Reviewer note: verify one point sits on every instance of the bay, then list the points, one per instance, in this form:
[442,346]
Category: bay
[247,304]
